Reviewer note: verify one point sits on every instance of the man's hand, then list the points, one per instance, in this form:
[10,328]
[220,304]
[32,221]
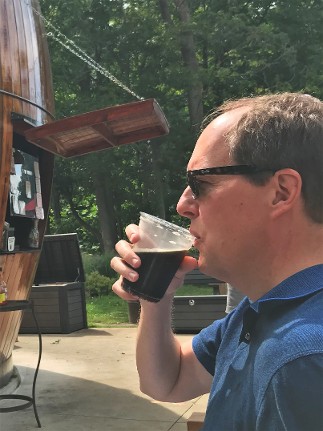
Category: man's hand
[128,261]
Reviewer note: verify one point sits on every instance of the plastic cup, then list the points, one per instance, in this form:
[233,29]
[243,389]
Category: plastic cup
[161,248]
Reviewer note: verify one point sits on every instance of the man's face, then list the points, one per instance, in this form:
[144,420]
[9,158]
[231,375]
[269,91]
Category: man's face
[229,216]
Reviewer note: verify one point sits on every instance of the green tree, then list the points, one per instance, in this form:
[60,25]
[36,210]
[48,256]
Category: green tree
[190,56]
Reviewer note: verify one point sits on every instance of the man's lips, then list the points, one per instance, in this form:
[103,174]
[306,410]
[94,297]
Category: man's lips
[197,238]
[196,243]
[195,234]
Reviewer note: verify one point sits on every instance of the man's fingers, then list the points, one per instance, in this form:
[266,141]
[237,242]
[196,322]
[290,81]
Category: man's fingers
[188,264]
[124,249]
[132,232]
[118,290]
[122,267]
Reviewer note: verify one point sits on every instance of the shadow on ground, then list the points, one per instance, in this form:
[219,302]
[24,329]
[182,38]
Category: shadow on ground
[67,403]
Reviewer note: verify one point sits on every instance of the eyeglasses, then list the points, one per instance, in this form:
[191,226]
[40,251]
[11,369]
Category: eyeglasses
[195,184]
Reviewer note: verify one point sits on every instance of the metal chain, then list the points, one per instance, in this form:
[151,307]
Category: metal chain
[93,64]
[68,44]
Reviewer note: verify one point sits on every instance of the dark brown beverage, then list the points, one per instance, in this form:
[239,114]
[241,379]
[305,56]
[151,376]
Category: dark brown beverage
[156,271]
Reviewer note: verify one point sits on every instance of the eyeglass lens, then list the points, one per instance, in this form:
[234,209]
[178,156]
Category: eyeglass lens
[193,184]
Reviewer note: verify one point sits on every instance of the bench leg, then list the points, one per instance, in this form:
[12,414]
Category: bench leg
[223,288]
[195,421]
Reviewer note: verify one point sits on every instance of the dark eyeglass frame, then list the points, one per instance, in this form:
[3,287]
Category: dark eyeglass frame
[194,184]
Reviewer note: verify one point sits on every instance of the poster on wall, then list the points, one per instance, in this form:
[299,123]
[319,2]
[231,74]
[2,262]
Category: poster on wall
[25,189]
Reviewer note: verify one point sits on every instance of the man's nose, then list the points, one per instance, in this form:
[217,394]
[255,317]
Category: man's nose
[187,206]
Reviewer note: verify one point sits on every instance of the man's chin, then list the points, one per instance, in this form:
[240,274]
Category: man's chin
[202,264]
[208,269]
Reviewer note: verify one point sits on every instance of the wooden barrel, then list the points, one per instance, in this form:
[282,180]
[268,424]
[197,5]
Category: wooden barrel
[26,100]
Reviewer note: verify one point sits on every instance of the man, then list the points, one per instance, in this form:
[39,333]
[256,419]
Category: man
[258,226]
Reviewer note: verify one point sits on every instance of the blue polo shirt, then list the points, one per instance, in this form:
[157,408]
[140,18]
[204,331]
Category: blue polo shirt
[267,360]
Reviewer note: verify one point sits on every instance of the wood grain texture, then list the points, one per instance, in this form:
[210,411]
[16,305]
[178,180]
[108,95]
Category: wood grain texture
[25,81]
[101,129]
[195,421]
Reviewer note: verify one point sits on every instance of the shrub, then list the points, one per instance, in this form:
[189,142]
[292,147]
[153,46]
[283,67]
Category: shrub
[99,263]
[97,284]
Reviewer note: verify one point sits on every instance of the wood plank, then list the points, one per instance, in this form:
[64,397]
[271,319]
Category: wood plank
[45,305]
[22,72]
[5,152]
[66,309]
[14,56]
[50,320]
[205,310]
[35,77]
[101,129]
[22,48]
[212,314]
[46,91]
[74,307]
[197,277]
[45,295]
[5,47]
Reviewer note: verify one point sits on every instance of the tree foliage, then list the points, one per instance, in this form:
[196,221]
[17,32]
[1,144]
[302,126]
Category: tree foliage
[190,55]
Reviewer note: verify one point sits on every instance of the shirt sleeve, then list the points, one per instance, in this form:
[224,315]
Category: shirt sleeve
[294,398]
[206,344]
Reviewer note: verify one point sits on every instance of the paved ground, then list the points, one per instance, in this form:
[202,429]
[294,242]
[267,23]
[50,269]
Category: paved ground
[88,381]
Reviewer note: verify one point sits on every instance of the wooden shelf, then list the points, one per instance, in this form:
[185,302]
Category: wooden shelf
[101,129]
[23,250]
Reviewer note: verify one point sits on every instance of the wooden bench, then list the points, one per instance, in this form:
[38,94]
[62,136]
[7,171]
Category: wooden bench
[193,313]
[186,316]
[196,277]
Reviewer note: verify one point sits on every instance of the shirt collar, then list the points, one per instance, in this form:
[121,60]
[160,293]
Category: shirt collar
[301,284]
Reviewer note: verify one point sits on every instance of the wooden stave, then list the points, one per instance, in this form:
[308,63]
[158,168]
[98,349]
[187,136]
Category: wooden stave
[25,72]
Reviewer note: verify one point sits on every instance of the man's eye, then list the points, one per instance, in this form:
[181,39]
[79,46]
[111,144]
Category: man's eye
[203,185]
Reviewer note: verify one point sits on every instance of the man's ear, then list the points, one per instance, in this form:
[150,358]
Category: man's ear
[287,187]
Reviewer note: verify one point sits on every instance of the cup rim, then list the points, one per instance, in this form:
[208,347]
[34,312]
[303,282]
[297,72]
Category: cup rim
[168,225]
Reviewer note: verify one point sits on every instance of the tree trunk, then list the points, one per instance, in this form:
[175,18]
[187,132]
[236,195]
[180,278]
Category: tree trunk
[158,185]
[106,212]
[56,204]
[81,221]
[164,10]
[150,178]
[195,91]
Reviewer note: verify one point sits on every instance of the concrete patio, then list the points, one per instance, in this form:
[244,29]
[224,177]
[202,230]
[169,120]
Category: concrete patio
[88,381]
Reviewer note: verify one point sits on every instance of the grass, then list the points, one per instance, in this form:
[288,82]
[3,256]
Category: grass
[110,310]
[107,310]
